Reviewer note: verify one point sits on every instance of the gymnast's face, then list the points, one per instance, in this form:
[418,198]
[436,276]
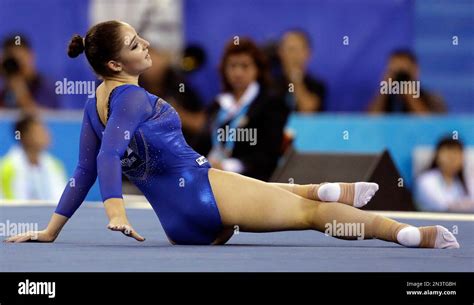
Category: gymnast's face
[133,57]
[240,71]
[450,160]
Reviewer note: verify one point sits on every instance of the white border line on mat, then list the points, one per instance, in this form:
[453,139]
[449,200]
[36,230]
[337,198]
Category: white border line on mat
[427,215]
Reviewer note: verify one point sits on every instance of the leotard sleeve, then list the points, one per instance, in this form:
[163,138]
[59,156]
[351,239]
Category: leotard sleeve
[85,173]
[128,109]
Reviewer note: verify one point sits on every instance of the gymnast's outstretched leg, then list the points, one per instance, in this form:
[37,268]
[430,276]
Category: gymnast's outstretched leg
[257,206]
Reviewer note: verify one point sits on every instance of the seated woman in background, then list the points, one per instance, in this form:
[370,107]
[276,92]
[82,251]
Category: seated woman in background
[442,187]
[28,171]
[244,129]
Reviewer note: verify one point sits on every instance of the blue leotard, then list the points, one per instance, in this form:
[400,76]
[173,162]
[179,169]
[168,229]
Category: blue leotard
[143,140]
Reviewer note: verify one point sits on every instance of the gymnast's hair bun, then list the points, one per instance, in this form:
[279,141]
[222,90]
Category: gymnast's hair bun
[76,46]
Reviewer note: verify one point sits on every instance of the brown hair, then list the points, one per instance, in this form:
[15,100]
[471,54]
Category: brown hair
[448,141]
[102,43]
[24,122]
[244,46]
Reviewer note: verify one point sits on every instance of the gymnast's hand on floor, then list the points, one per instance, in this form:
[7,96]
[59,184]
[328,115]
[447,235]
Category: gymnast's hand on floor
[121,224]
[32,236]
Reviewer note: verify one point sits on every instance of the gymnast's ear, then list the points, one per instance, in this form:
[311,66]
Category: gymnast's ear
[114,65]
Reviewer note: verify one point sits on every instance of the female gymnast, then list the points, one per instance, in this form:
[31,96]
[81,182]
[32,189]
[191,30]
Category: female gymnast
[128,130]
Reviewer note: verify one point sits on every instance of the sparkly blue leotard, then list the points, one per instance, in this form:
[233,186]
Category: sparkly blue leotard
[143,140]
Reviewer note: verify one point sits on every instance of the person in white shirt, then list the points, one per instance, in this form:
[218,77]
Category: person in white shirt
[442,187]
[27,171]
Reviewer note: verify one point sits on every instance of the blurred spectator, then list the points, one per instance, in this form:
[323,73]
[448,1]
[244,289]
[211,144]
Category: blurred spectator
[23,86]
[402,66]
[27,171]
[301,91]
[442,187]
[163,80]
[246,108]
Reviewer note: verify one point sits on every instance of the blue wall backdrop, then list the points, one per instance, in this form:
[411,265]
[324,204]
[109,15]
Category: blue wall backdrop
[352,72]
[49,25]
[447,67]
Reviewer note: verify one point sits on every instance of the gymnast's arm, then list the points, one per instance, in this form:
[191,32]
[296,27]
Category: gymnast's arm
[129,109]
[75,191]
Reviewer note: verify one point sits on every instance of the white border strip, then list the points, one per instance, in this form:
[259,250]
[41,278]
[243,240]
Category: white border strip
[427,215]
[25,203]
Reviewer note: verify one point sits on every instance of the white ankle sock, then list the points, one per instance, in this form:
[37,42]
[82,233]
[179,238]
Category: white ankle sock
[409,237]
[329,192]
[364,191]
